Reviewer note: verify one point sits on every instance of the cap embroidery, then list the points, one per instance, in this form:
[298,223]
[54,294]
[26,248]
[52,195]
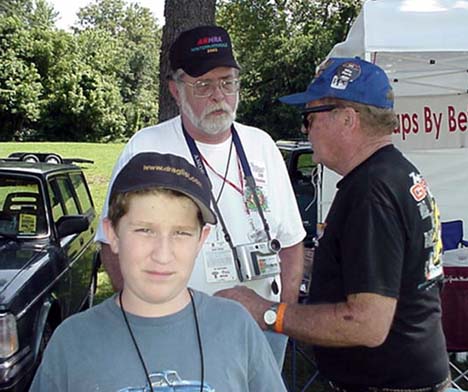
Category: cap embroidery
[170,169]
[210,44]
[209,40]
[345,74]
[209,47]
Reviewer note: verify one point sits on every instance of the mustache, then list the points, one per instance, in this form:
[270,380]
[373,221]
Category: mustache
[216,107]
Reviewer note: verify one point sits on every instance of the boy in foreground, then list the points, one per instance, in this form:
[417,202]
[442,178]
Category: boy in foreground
[157,332]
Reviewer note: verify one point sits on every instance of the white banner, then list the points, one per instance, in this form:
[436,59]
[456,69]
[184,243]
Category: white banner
[431,122]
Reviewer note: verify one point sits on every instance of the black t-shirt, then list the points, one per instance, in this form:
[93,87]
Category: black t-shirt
[382,235]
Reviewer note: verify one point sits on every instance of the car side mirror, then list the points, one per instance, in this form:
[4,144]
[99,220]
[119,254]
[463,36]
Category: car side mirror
[72,224]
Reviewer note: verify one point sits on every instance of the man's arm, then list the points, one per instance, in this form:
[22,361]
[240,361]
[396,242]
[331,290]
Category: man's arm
[363,320]
[292,268]
[110,260]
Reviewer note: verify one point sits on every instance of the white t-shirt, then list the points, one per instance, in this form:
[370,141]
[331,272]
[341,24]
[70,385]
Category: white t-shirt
[210,273]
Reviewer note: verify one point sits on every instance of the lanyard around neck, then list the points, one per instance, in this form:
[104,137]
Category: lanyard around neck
[249,179]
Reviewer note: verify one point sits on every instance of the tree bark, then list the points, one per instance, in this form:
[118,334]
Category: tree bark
[180,15]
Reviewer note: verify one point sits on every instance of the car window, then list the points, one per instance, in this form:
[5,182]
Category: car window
[55,201]
[305,165]
[22,210]
[84,198]
[62,193]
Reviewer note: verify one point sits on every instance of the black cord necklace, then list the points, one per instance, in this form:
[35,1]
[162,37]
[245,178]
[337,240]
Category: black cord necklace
[140,356]
[225,173]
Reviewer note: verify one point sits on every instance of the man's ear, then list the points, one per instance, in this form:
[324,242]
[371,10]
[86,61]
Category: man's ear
[174,91]
[351,117]
[111,235]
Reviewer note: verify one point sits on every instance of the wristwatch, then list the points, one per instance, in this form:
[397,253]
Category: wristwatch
[270,316]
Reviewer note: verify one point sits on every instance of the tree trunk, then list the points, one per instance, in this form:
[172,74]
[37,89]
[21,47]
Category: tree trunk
[180,15]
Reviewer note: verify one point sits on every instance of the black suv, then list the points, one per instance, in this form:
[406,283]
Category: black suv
[48,260]
[304,178]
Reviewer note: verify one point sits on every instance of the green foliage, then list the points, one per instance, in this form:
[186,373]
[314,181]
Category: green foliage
[101,81]
[278,44]
[84,102]
[98,83]
[137,39]
[20,87]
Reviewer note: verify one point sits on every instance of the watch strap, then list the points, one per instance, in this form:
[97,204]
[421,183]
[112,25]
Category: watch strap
[279,324]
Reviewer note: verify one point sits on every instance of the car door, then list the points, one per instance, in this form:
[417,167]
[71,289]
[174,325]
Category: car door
[77,248]
[303,173]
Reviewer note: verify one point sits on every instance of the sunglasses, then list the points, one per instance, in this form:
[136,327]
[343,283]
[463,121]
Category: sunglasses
[307,119]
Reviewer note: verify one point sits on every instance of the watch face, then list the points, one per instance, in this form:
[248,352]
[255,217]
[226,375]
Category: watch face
[269,317]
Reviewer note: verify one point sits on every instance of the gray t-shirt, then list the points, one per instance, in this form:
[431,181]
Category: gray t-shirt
[93,351]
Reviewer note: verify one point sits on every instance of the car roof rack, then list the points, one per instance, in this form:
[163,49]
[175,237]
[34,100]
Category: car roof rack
[46,157]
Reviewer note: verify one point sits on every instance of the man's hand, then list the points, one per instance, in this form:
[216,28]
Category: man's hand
[255,304]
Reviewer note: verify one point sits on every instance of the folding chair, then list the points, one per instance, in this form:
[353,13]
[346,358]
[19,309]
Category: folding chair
[300,370]
[455,319]
[452,235]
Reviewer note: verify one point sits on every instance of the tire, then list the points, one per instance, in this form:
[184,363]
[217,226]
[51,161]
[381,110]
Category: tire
[30,158]
[53,158]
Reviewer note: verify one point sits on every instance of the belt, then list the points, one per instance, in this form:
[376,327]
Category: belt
[440,387]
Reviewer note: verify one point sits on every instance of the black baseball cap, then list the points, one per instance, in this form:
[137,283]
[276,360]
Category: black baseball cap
[152,169]
[199,50]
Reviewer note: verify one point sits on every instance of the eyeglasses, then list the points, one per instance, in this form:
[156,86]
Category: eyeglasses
[306,114]
[205,88]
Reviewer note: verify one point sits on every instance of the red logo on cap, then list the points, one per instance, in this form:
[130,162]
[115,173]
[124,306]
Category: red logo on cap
[209,40]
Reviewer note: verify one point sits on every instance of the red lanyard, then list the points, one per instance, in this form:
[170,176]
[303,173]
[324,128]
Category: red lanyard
[229,182]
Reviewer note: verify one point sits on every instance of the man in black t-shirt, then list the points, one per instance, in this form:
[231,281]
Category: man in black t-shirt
[374,311]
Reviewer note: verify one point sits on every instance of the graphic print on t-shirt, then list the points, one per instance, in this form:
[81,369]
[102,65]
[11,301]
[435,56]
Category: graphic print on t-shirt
[167,381]
[432,238]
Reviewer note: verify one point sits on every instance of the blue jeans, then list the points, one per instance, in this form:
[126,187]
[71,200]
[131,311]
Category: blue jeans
[278,343]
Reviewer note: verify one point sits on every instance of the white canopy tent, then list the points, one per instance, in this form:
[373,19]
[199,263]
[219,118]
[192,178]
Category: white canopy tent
[423,47]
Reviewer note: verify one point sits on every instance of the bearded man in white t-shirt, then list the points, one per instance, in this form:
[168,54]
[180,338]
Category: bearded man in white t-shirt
[258,239]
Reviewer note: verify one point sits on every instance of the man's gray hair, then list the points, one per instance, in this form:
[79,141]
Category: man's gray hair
[177,74]
[375,121]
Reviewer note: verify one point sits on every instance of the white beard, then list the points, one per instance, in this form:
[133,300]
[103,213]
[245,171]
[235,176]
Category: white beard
[208,123]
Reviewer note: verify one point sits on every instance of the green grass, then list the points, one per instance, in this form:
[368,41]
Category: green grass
[97,175]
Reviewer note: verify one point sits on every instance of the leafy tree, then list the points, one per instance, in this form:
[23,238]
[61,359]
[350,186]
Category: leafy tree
[18,8]
[84,102]
[279,44]
[43,15]
[133,30]
[20,87]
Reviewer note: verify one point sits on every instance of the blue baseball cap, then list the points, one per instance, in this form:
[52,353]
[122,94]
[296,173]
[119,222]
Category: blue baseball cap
[350,79]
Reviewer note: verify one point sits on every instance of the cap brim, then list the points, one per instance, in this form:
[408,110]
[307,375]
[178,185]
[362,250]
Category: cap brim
[207,214]
[299,99]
